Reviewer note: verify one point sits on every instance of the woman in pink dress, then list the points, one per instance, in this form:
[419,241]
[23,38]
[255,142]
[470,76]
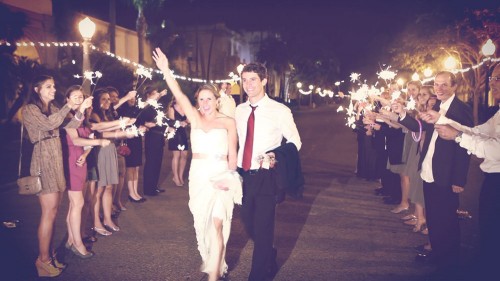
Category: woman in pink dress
[76,173]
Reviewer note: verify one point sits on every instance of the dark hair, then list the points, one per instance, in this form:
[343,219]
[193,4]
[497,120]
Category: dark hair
[453,78]
[34,97]
[256,67]
[148,91]
[96,104]
[111,89]
[73,88]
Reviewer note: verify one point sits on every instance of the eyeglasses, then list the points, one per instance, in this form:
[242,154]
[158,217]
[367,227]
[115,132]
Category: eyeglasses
[494,78]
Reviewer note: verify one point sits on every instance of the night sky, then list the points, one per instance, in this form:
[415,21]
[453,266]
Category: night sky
[355,32]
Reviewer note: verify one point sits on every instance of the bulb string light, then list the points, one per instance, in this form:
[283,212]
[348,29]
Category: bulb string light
[136,65]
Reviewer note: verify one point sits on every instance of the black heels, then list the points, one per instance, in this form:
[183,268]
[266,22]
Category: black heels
[136,200]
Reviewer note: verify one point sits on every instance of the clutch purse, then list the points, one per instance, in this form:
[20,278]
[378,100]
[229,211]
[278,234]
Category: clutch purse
[123,149]
[30,185]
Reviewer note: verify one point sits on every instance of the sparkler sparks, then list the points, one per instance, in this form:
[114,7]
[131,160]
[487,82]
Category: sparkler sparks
[354,77]
[386,74]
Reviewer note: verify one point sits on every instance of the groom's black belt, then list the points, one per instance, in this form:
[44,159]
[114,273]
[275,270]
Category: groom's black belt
[249,172]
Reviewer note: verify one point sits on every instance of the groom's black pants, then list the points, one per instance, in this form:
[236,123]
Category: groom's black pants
[257,212]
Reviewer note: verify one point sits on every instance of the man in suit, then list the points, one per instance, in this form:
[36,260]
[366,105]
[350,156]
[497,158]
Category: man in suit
[444,165]
[484,142]
[154,142]
[262,123]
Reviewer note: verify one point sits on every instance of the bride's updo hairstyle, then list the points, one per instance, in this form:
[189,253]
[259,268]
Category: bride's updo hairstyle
[210,87]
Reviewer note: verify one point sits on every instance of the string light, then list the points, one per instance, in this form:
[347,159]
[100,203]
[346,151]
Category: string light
[384,74]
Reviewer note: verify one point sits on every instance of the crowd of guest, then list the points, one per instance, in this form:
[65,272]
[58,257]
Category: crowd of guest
[422,163]
[82,147]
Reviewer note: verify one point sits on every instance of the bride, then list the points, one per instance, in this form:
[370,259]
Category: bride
[214,185]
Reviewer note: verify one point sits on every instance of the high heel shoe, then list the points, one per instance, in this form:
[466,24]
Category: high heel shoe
[46,269]
[135,200]
[411,221]
[57,263]
[399,211]
[77,253]
[114,228]
[409,217]
[102,231]
[68,245]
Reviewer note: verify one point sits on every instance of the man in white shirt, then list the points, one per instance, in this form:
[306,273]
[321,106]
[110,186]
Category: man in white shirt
[268,122]
[484,142]
[444,165]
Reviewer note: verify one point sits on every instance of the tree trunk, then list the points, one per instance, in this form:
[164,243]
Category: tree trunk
[112,26]
[141,26]
[210,52]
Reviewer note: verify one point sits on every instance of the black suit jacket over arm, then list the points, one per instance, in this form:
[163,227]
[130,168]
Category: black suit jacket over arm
[450,162]
[289,177]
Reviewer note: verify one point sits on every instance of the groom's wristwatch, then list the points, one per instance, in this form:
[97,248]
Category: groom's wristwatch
[458,138]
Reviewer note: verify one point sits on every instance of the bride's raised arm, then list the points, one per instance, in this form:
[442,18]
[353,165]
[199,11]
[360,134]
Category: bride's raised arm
[184,102]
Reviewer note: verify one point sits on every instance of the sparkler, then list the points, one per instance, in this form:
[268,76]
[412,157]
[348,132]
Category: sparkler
[90,75]
[386,74]
[142,72]
[340,109]
[354,77]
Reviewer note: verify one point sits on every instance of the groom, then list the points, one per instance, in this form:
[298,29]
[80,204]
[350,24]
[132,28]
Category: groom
[262,123]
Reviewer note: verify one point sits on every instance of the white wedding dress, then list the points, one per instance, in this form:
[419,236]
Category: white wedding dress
[209,167]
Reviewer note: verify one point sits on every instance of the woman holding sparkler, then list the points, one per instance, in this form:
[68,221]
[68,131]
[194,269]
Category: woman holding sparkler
[42,120]
[107,163]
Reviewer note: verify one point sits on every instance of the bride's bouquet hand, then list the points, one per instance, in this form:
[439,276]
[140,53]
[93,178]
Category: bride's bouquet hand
[222,186]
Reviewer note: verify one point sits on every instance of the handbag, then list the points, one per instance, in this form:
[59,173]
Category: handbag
[123,149]
[30,185]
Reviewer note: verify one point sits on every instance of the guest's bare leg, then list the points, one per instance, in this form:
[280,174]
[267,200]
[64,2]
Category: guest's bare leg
[107,206]
[75,218]
[49,204]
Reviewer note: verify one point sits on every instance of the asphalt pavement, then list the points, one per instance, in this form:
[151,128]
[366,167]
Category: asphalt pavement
[339,231]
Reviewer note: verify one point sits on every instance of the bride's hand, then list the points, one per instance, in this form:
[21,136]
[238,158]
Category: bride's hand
[160,59]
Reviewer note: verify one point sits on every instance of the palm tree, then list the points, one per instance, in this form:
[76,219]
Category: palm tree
[141,24]
[11,30]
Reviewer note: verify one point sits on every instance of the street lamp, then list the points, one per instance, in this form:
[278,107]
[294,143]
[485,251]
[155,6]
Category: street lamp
[488,50]
[87,30]
[239,68]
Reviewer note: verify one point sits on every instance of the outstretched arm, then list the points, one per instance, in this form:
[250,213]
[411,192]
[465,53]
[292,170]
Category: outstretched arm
[162,64]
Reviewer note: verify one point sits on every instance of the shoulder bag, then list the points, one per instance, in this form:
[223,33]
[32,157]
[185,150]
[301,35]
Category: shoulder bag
[30,185]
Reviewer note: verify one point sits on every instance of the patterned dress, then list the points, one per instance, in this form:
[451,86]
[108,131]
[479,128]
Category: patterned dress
[47,153]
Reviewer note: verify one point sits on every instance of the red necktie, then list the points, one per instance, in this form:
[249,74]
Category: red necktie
[247,151]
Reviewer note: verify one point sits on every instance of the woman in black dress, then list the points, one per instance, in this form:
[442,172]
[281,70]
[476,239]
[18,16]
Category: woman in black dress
[134,160]
[179,143]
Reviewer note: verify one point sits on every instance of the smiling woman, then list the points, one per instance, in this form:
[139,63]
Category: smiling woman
[42,121]
[213,140]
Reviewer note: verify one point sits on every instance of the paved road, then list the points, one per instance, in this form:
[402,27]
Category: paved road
[339,231]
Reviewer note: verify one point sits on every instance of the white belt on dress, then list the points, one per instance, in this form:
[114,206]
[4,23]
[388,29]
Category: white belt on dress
[222,157]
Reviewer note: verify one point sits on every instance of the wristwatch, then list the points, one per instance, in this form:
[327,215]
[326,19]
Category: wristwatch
[458,138]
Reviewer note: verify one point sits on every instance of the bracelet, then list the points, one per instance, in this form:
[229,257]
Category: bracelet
[76,117]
